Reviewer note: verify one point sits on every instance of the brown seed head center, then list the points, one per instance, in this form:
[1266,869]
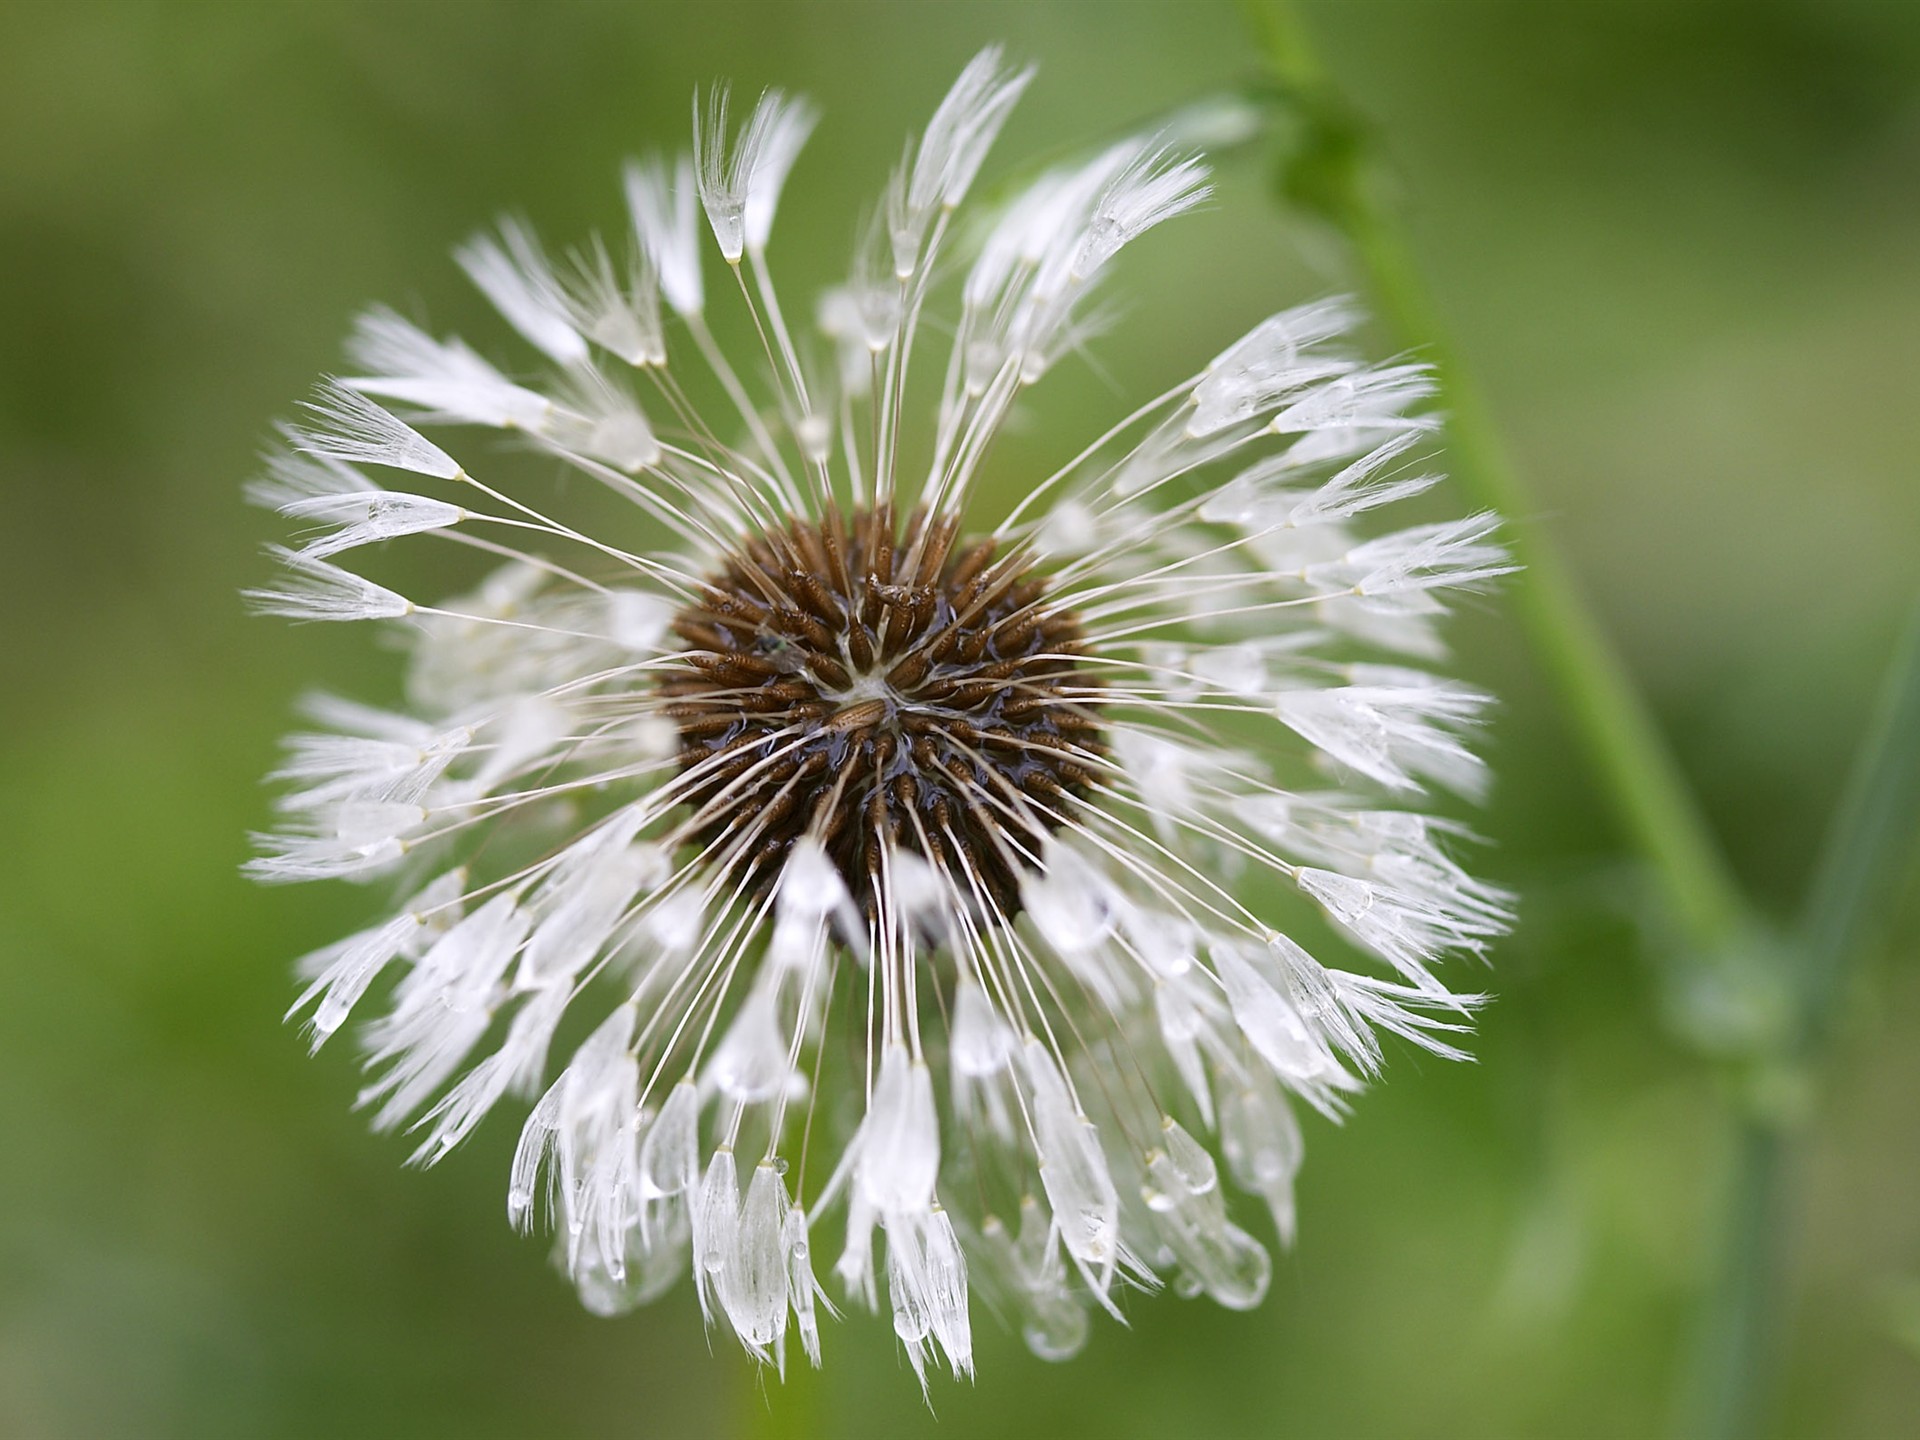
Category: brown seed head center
[877,688]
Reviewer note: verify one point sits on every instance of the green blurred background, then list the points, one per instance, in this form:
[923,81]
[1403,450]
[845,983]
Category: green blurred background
[1680,245]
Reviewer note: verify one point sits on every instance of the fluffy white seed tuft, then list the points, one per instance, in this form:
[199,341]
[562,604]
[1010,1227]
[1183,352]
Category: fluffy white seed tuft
[912,891]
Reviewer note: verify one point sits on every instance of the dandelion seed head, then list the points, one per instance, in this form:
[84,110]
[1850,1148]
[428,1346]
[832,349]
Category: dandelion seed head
[954,903]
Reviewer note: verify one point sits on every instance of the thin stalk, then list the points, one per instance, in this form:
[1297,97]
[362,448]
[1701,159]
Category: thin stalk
[1741,1326]
[1333,172]
[1868,851]
[1869,847]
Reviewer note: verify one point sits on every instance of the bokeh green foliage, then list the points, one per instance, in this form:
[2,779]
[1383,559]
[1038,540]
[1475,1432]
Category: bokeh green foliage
[1680,245]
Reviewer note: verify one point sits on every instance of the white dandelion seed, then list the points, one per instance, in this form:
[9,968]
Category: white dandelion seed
[894,861]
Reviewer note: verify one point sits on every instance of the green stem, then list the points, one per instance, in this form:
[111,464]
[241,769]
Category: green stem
[1856,885]
[1868,848]
[1741,1328]
[1333,172]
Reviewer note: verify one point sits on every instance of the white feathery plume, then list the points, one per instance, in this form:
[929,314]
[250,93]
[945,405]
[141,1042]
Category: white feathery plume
[513,273]
[664,205]
[443,380]
[365,516]
[353,429]
[951,151]
[316,590]
[619,314]
[740,180]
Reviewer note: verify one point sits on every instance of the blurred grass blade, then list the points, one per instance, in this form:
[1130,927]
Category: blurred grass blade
[1869,847]
[1856,884]
[1731,1380]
